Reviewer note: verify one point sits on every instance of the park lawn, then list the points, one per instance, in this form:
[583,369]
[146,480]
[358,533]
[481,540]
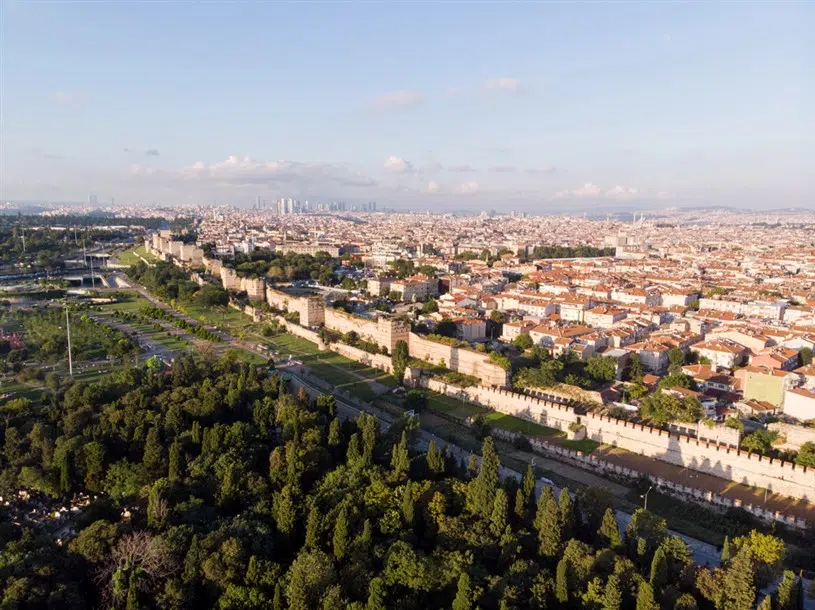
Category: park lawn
[516,424]
[131,302]
[222,317]
[586,445]
[453,407]
[286,344]
[130,257]
[250,357]
[15,389]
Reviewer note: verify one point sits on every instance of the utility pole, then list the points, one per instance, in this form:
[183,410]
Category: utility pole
[68,328]
[93,279]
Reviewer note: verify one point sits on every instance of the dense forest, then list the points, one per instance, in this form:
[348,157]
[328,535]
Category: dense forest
[280,267]
[218,488]
[172,284]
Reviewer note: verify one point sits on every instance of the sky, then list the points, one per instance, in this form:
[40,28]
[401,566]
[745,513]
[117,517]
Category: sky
[424,105]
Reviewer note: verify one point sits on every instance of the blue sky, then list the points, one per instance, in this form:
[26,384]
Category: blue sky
[413,104]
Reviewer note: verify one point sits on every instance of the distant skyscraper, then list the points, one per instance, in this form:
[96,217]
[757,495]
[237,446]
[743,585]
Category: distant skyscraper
[92,199]
[258,203]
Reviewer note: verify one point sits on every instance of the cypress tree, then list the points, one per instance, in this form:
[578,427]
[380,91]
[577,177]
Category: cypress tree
[645,597]
[176,461]
[481,490]
[739,582]
[686,601]
[472,467]
[65,473]
[367,535]
[562,581]
[547,524]
[528,486]
[566,514]
[464,594]
[132,602]
[370,429]
[727,552]
[785,595]
[435,459]
[353,456]
[153,459]
[193,560]
[196,432]
[400,460]
[520,505]
[612,596]
[341,535]
[253,571]
[334,436]
[277,601]
[609,531]
[500,512]
[313,528]
[408,504]
[377,599]
[659,570]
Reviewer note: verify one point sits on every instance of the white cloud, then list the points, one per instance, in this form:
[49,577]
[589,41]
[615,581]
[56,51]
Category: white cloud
[433,187]
[398,99]
[397,165]
[587,190]
[467,188]
[622,193]
[461,168]
[511,85]
[68,98]
[615,193]
[244,171]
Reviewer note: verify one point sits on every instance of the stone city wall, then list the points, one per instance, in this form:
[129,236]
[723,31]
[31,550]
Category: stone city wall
[683,492]
[719,460]
[458,359]
[379,361]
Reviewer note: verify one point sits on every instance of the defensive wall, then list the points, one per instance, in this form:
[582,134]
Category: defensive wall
[379,361]
[717,459]
[458,359]
[683,492]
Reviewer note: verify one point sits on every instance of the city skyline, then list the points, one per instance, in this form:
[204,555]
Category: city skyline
[444,107]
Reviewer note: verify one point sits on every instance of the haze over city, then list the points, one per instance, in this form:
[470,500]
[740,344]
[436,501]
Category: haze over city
[535,107]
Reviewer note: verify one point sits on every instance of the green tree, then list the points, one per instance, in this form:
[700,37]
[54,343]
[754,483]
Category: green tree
[612,596]
[500,512]
[313,524]
[635,370]
[609,532]
[340,540]
[602,368]
[464,593]
[94,465]
[481,490]
[176,461]
[334,436]
[727,552]
[132,602]
[786,594]
[547,524]
[645,597]
[399,360]
[434,459]
[676,359]
[562,586]
[377,595]
[806,455]
[400,460]
[153,458]
[566,514]
[659,570]
[65,473]
[523,341]
[805,356]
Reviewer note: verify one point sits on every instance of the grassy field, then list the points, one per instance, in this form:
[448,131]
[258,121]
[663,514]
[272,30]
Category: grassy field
[453,407]
[131,257]
[515,424]
[222,317]
[586,445]
[130,302]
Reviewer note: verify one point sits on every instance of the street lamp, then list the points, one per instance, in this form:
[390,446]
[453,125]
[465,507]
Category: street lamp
[645,496]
